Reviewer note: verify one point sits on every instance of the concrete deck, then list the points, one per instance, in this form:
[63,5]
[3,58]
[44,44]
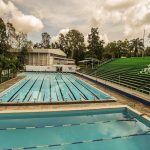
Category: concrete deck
[5,85]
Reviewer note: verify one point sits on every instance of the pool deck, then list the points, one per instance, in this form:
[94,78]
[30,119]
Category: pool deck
[122,101]
[5,85]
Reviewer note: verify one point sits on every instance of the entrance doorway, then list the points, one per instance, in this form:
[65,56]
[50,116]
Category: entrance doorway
[59,69]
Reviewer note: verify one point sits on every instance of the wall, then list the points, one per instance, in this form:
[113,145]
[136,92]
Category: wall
[69,68]
[40,68]
[65,68]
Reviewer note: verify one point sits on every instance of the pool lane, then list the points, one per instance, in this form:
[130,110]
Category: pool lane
[10,95]
[54,90]
[57,88]
[52,87]
[69,91]
[34,90]
[18,96]
[76,91]
[86,93]
[94,96]
[64,89]
[60,90]
[46,89]
[96,92]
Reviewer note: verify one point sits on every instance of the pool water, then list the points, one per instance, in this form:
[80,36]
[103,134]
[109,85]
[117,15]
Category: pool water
[106,129]
[52,87]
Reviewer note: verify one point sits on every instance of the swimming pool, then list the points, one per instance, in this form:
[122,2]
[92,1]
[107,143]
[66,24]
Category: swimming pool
[110,129]
[52,87]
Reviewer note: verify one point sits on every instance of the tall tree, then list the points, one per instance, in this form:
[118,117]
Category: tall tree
[75,45]
[3,38]
[136,45]
[95,45]
[22,56]
[147,51]
[110,50]
[55,45]
[37,45]
[29,45]
[116,49]
[12,36]
[45,40]
[21,39]
[63,44]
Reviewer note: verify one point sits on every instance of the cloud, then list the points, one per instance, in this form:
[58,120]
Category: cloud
[22,22]
[104,37]
[64,31]
[137,19]
[56,38]
[117,19]
[26,23]
[119,4]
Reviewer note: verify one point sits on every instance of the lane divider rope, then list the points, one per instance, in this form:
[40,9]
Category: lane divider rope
[81,142]
[67,125]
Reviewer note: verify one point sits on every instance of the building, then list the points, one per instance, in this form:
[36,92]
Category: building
[49,60]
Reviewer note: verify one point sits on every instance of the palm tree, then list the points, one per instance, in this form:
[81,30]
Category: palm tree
[136,45]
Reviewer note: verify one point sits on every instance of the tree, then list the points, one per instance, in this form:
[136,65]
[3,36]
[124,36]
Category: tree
[9,64]
[95,45]
[45,40]
[75,45]
[3,38]
[55,45]
[2,65]
[147,51]
[109,50]
[122,48]
[63,44]
[37,45]
[29,45]
[136,45]
[116,49]
[12,36]
[22,56]
[21,39]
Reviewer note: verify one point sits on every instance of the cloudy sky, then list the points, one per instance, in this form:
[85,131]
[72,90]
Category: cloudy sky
[116,19]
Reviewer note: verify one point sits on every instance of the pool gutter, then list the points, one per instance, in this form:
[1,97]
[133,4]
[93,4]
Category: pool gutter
[60,109]
[54,103]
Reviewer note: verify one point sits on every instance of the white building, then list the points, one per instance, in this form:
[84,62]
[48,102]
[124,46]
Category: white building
[49,60]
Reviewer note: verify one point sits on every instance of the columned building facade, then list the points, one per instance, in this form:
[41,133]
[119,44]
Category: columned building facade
[49,60]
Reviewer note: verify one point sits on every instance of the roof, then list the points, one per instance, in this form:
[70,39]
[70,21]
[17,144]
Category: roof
[42,50]
[51,51]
